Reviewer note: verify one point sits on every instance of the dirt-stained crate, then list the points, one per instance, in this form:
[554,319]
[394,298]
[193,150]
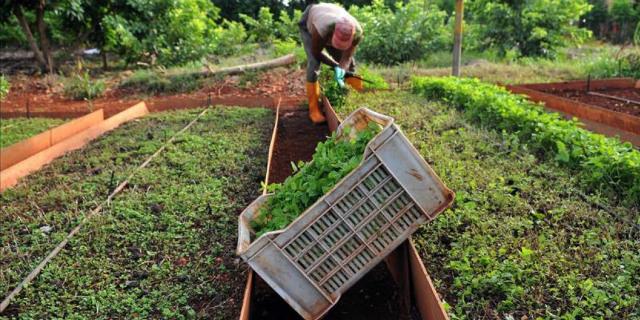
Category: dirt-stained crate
[349,230]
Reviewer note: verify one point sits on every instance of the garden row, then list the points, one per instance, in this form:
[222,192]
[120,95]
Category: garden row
[524,237]
[604,164]
[163,248]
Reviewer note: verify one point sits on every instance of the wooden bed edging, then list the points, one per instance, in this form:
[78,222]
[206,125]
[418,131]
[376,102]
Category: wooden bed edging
[582,110]
[23,149]
[10,176]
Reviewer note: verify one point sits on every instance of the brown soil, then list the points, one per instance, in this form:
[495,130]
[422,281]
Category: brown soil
[41,96]
[296,140]
[374,297]
[611,104]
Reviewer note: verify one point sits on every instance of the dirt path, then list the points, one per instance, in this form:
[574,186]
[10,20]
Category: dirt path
[35,97]
[297,139]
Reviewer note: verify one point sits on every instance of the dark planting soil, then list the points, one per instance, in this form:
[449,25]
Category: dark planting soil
[297,139]
[611,104]
[374,297]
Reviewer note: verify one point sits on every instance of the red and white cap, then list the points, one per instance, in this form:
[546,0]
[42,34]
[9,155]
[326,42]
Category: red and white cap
[343,34]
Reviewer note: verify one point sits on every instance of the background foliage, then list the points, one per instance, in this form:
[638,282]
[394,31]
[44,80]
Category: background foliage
[400,33]
[531,28]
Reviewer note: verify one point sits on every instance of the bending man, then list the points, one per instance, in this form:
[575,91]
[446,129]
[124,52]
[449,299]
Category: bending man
[331,27]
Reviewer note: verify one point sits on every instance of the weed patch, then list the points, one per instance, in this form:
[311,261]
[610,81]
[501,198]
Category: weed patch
[81,87]
[156,82]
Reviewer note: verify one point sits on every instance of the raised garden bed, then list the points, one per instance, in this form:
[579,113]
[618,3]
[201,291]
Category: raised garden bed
[609,106]
[524,238]
[606,98]
[164,247]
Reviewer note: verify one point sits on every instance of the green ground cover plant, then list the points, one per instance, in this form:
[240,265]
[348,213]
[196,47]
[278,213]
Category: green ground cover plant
[605,164]
[17,129]
[164,247]
[332,160]
[523,239]
[4,87]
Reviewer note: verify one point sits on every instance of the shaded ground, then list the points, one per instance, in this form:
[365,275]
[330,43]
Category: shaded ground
[374,297]
[611,104]
[43,95]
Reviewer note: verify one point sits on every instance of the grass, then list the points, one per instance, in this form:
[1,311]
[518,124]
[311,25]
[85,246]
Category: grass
[495,72]
[570,64]
[522,239]
[164,247]
[17,129]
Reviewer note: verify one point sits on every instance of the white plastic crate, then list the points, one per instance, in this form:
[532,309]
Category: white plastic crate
[349,230]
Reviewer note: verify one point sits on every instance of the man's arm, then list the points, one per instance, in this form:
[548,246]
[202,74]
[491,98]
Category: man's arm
[317,49]
[347,55]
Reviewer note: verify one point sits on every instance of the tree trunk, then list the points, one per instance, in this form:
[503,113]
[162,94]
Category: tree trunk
[44,40]
[105,65]
[278,62]
[17,10]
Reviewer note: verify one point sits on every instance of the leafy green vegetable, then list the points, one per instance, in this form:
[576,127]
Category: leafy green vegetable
[375,80]
[606,163]
[332,161]
[330,89]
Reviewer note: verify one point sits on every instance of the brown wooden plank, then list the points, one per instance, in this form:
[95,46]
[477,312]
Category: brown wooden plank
[24,149]
[10,176]
[74,126]
[21,150]
[245,312]
[614,83]
[332,118]
[425,294]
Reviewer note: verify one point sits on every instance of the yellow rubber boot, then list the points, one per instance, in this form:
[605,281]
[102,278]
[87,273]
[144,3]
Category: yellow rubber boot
[355,83]
[313,94]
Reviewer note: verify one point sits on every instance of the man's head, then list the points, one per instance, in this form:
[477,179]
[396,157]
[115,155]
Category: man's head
[343,34]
